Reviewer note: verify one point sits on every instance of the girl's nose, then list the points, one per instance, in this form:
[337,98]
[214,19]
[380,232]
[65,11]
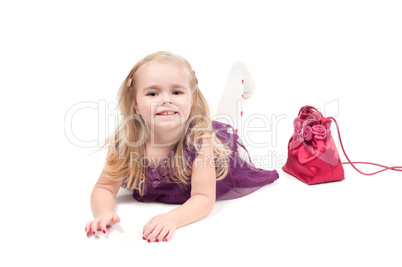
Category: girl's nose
[164,102]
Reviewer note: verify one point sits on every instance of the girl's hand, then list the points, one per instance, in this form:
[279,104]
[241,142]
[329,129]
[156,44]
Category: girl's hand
[159,228]
[100,223]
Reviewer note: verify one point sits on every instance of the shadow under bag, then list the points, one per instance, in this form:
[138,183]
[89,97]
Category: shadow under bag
[312,155]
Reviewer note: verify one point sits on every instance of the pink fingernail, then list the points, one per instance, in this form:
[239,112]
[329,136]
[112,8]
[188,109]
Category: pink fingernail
[149,241]
[157,240]
[104,231]
[143,238]
[166,240]
[93,232]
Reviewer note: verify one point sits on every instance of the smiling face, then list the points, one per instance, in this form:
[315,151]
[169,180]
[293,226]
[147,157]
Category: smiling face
[163,87]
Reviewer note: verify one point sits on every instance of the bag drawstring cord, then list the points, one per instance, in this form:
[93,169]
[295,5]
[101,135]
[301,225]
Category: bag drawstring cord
[385,168]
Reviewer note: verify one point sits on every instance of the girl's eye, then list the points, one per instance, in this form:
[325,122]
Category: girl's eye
[175,93]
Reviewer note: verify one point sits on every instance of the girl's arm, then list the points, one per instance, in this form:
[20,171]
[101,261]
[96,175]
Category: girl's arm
[103,195]
[199,205]
[103,204]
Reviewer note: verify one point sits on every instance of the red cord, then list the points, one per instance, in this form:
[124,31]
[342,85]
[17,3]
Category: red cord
[395,168]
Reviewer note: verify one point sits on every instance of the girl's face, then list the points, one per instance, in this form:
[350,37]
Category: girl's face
[161,88]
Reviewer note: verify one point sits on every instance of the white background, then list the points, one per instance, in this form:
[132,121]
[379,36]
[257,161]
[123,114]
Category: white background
[343,57]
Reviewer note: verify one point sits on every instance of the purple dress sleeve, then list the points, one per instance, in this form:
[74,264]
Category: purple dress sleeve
[242,179]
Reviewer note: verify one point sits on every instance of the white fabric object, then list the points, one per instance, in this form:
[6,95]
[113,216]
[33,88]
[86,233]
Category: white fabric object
[230,105]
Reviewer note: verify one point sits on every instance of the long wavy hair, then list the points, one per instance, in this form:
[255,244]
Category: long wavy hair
[127,165]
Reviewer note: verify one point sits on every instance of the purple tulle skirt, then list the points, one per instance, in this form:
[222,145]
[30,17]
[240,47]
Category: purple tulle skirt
[242,179]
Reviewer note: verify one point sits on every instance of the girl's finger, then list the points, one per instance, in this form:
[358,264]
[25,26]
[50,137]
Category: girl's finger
[148,230]
[155,233]
[94,226]
[88,227]
[102,225]
[145,227]
[115,219]
[162,235]
[169,235]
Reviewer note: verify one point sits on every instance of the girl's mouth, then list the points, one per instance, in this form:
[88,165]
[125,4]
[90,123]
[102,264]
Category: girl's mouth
[167,114]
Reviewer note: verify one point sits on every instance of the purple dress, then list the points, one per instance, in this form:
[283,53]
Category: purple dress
[243,177]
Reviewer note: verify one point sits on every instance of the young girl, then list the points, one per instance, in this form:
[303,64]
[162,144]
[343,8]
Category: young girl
[168,149]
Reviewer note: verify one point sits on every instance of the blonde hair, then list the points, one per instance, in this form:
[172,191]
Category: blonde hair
[119,166]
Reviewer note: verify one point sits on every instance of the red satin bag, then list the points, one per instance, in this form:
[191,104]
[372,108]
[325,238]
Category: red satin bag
[312,155]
